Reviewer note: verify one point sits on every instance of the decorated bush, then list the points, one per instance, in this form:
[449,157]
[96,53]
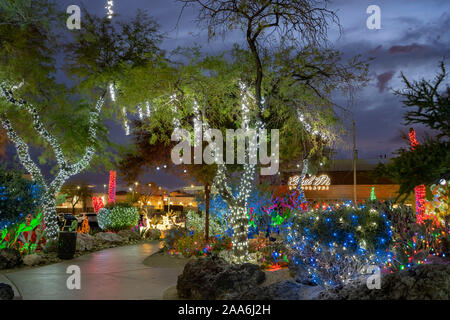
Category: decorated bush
[196,223]
[19,197]
[195,245]
[413,242]
[334,245]
[118,217]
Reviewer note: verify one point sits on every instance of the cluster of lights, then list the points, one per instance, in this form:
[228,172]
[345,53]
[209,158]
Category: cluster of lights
[109,10]
[312,183]
[65,169]
[309,128]
[117,218]
[419,190]
[239,204]
[97,203]
[337,256]
[112,187]
[316,188]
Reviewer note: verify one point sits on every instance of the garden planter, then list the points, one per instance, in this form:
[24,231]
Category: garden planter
[67,244]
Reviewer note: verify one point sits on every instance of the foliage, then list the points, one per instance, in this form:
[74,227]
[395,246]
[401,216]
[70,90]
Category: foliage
[104,218]
[426,164]
[432,107]
[74,226]
[412,242]
[84,228]
[196,223]
[18,197]
[118,217]
[269,253]
[333,245]
[18,235]
[439,204]
[77,191]
[195,245]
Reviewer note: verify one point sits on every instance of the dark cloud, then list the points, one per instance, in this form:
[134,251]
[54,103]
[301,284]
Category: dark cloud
[383,80]
[409,48]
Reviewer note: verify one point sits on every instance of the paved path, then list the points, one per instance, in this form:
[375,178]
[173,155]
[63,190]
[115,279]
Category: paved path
[116,273]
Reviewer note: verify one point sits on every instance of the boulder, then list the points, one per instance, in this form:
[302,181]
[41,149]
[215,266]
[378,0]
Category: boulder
[6,292]
[283,290]
[32,260]
[108,237]
[300,274]
[214,278]
[420,282]
[129,235]
[10,258]
[85,242]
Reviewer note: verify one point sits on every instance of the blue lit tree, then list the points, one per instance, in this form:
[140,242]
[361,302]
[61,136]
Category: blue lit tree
[18,197]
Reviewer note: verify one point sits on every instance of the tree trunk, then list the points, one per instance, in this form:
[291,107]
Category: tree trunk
[50,216]
[207,193]
[239,223]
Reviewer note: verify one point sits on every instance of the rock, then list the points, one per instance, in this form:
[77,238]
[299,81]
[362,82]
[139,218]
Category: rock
[32,260]
[6,292]
[85,242]
[129,235]
[420,282]
[284,290]
[300,274]
[108,237]
[10,258]
[213,278]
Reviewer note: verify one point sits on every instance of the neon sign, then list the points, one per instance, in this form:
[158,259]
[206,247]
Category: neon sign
[321,182]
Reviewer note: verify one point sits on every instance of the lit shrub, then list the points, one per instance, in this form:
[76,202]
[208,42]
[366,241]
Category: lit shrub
[195,222]
[195,245]
[104,218]
[117,218]
[334,245]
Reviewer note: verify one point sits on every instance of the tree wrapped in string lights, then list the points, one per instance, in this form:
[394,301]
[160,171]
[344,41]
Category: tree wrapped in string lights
[66,169]
[238,204]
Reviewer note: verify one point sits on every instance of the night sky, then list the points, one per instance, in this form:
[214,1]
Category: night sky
[413,38]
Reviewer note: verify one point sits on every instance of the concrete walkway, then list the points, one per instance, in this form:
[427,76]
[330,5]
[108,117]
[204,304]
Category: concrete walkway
[116,273]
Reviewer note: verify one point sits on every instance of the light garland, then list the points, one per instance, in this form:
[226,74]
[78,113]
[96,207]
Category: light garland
[239,204]
[112,187]
[419,191]
[65,169]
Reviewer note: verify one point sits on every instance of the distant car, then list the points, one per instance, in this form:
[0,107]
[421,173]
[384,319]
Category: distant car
[66,220]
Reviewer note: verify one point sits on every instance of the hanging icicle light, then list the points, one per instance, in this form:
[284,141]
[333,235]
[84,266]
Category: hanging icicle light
[125,121]
[109,9]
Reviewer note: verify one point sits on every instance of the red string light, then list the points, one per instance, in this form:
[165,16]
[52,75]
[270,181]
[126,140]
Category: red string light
[97,203]
[419,190]
[112,187]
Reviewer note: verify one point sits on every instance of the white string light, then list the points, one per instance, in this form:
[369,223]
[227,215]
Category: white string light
[109,9]
[65,169]
[238,205]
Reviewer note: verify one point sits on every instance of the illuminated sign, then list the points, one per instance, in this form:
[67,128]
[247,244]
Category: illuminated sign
[321,182]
